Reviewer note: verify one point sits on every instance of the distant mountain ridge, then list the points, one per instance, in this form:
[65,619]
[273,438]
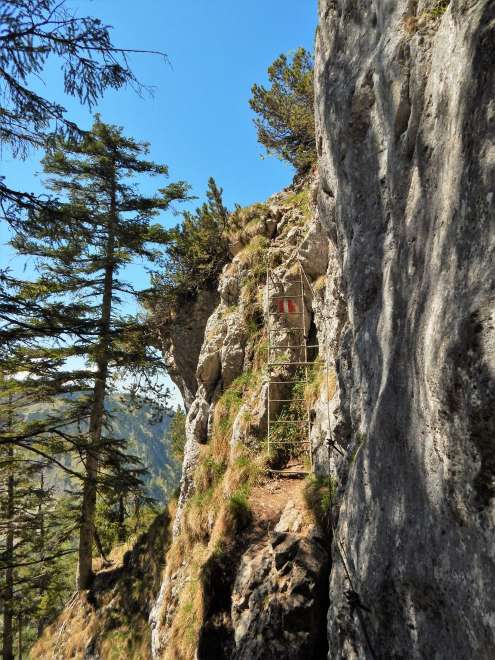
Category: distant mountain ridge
[147,438]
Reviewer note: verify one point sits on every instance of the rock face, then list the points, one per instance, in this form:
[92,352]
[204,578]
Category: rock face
[406,142]
[279,599]
[268,596]
[181,339]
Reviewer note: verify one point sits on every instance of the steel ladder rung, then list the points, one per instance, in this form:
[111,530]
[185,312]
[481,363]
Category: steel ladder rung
[270,298]
[276,289]
[286,281]
[276,348]
[279,364]
[292,443]
[286,313]
[289,421]
[286,382]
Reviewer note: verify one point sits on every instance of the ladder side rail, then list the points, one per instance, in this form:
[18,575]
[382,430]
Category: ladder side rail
[305,354]
[268,402]
[275,348]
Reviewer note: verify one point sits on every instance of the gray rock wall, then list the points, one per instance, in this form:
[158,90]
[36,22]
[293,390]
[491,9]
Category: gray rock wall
[181,339]
[405,111]
[279,598]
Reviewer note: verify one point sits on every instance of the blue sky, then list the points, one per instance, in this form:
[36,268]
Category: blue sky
[198,121]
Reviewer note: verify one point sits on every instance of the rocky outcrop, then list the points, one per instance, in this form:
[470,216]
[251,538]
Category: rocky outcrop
[181,334]
[279,598]
[266,594]
[264,579]
[289,229]
[406,143]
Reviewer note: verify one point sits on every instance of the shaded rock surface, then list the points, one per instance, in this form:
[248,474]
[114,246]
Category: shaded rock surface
[406,141]
[267,595]
[181,339]
[280,599]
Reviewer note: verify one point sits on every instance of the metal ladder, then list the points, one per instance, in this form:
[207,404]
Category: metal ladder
[286,305]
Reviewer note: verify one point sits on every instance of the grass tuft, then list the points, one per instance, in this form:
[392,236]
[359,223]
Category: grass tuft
[239,508]
[319,494]
[414,24]
[302,201]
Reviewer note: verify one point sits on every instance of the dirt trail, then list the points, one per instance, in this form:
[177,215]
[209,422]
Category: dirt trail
[269,499]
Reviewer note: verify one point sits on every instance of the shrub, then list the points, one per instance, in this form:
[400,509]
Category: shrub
[285,111]
[254,319]
[302,201]
[439,8]
[254,253]
[239,508]
[427,17]
[196,252]
[209,470]
[316,376]
[319,494]
[248,217]
[226,410]
[247,470]
[360,440]
[177,434]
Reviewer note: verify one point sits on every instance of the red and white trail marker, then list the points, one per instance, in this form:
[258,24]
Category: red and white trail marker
[287,306]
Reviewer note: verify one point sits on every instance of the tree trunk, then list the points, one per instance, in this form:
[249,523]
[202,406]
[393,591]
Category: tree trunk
[88,509]
[99,545]
[19,621]
[8,631]
[121,529]
[44,580]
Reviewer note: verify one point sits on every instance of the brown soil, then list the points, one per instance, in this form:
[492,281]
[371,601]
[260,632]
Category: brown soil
[270,497]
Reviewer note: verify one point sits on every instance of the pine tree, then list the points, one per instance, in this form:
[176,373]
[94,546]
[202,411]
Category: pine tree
[101,227]
[8,533]
[196,252]
[31,32]
[31,534]
[285,111]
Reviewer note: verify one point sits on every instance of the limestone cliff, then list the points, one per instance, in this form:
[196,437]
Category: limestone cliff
[249,557]
[406,141]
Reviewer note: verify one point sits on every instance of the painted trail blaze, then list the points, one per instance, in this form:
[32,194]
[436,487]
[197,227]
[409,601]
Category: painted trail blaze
[287,306]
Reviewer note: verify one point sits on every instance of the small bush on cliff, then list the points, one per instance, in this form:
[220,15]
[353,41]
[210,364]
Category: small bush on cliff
[285,111]
[196,252]
[360,440]
[228,406]
[320,493]
[177,434]
[302,201]
[435,10]
[239,509]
